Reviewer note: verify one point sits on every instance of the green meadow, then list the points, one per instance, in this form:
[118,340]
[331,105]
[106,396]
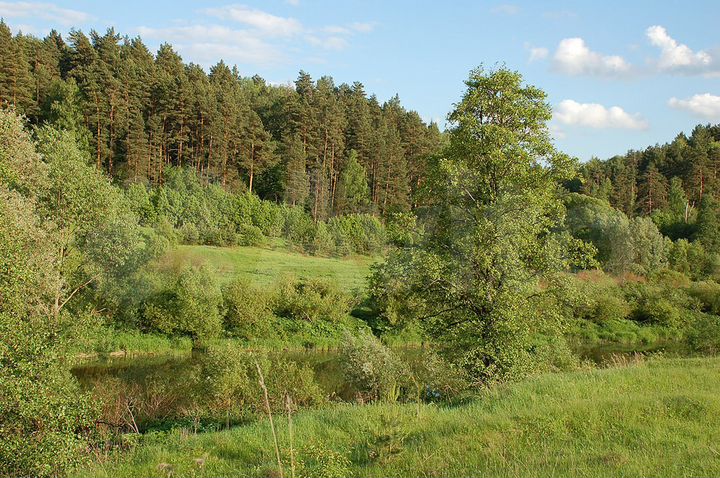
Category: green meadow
[263,266]
[655,417]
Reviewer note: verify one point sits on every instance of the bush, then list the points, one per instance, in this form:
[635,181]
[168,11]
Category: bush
[655,304]
[230,377]
[311,300]
[249,235]
[704,334]
[299,227]
[402,229]
[189,234]
[708,294]
[188,304]
[323,242]
[247,310]
[357,234]
[372,368]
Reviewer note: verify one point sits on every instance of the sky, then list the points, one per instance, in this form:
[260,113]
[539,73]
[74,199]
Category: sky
[619,75]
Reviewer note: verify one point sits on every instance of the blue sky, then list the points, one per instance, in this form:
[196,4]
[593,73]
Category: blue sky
[618,74]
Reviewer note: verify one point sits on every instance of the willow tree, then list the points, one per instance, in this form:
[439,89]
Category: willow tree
[481,280]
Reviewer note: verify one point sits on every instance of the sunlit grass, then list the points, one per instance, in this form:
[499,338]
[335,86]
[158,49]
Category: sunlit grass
[264,266]
[660,418]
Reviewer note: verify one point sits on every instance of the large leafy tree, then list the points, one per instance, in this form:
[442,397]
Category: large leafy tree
[43,413]
[481,280]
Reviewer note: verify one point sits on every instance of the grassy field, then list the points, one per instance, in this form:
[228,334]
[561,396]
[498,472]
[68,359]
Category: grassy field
[264,266]
[659,418]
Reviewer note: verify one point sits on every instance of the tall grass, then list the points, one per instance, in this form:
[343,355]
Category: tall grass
[648,418]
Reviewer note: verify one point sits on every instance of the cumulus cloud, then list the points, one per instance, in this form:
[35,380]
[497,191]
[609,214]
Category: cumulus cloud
[257,19]
[538,53]
[252,37]
[594,115]
[45,11]
[704,105]
[573,57]
[207,44]
[678,57]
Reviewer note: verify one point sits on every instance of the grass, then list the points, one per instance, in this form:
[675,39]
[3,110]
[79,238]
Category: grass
[657,418]
[263,266]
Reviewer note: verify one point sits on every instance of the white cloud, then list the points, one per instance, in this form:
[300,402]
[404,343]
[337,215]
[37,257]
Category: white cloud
[557,132]
[45,11]
[538,53]
[328,43]
[678,57]
[594,115]
[704,105]
[260,39]
[257,19]
[208,44]
[506,9]
[363,27]
[573,57]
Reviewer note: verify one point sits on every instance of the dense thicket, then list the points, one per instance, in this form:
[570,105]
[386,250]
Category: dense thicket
[140,112]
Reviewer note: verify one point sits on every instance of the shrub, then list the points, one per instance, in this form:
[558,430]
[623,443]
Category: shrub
[247,310]
[299,227]
[311,300]
[323,242]
[372,368]
[189,234]
[655,304]
[188,304]
[250,235]
[704,334]
[229,375]
[357,234]
[435,378]
[708,293]
[402,229]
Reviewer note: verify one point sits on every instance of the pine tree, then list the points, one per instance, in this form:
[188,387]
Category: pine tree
[296,180]
[653,190]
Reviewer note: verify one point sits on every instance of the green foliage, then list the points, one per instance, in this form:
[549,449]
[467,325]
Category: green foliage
[708,293]
[403,229]
[357,234]
[247,307]
[250,235]
[320,461]
[372,368]
[188,303]
[704,334]
[623,244]
[230,376]
[708,224]
[652,418]
[473,281]
[353,195]
[311,300]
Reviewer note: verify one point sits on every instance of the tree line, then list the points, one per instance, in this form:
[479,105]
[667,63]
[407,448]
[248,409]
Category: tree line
[330,148]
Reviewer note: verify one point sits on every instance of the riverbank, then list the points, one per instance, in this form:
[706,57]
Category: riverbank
[655,417]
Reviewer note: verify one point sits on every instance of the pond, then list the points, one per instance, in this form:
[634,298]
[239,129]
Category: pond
[168,388]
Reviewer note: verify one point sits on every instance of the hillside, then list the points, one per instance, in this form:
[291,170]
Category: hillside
[263,266]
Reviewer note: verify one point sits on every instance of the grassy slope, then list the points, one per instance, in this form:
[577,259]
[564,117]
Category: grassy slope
[656,419]
[264,266]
